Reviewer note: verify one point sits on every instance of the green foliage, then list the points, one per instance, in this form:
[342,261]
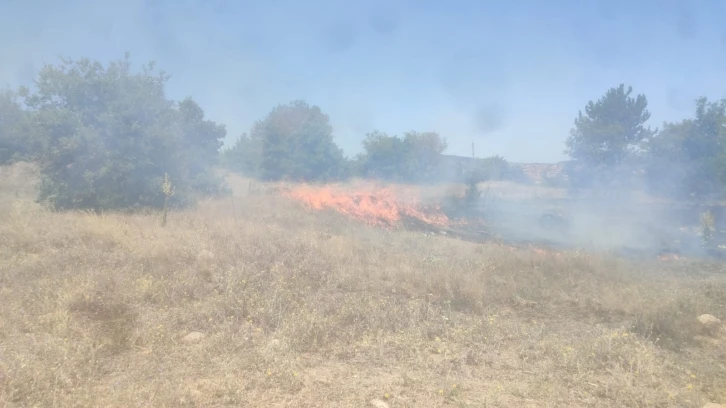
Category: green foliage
[295,141]
[665,160]
[423,153]
[14,143]
[243,156]
[384,157]
[413,158]
[108,135]
[609,134]
[472,192]
[168,190]
[491,168]
[201,140]
[688,158]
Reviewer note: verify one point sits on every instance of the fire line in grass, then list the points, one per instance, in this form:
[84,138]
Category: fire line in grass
[382,207]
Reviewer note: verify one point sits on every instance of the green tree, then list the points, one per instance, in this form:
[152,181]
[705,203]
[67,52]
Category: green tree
[15,143]
[384,157]
[294,141]
[491,168]
[688,158]
[610,132]
[201,140]
[423,154]
[244,156]
[108,135]
[415,157]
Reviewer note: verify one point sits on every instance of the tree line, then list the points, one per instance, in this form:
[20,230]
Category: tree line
[611,146]
[106,137]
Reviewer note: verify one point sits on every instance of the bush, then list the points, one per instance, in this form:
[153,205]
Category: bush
[491,168]
[14,142]
[686,159]
[295,141]
[413,158]
[108,135]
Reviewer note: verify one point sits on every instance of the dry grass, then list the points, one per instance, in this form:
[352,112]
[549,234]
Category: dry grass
[310,310]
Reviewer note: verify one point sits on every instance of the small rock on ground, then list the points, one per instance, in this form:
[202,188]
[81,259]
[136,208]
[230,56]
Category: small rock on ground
[193,337]
[710,323]
[376,403]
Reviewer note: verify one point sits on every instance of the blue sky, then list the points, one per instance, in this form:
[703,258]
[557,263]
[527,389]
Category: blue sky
[507,75]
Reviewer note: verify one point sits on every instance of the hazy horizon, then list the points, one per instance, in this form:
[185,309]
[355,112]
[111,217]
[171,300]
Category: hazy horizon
[509,76]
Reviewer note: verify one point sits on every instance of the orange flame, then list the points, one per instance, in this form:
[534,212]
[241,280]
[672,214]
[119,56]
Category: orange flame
[378,207]
[670,257]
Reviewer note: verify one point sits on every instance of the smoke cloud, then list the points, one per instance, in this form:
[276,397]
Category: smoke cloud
[508,77]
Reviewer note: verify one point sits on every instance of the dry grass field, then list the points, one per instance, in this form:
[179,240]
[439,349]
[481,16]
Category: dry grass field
[257,301]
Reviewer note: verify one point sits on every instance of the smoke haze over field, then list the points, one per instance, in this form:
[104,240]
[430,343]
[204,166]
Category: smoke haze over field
[509,76]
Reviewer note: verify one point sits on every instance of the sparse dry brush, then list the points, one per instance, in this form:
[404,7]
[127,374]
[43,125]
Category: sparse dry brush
[310,309]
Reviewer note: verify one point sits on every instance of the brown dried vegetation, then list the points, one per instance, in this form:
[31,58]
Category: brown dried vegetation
[310,309]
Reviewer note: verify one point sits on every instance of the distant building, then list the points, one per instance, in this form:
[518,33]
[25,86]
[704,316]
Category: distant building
[541,172]
[455,167]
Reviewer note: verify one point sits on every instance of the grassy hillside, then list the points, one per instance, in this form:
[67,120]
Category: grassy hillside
[257,301]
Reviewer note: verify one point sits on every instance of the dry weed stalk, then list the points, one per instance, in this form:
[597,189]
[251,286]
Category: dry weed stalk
[168,190]
[707,225]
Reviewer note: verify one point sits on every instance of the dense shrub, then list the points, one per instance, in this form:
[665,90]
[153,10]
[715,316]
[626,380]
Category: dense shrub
[107,135]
